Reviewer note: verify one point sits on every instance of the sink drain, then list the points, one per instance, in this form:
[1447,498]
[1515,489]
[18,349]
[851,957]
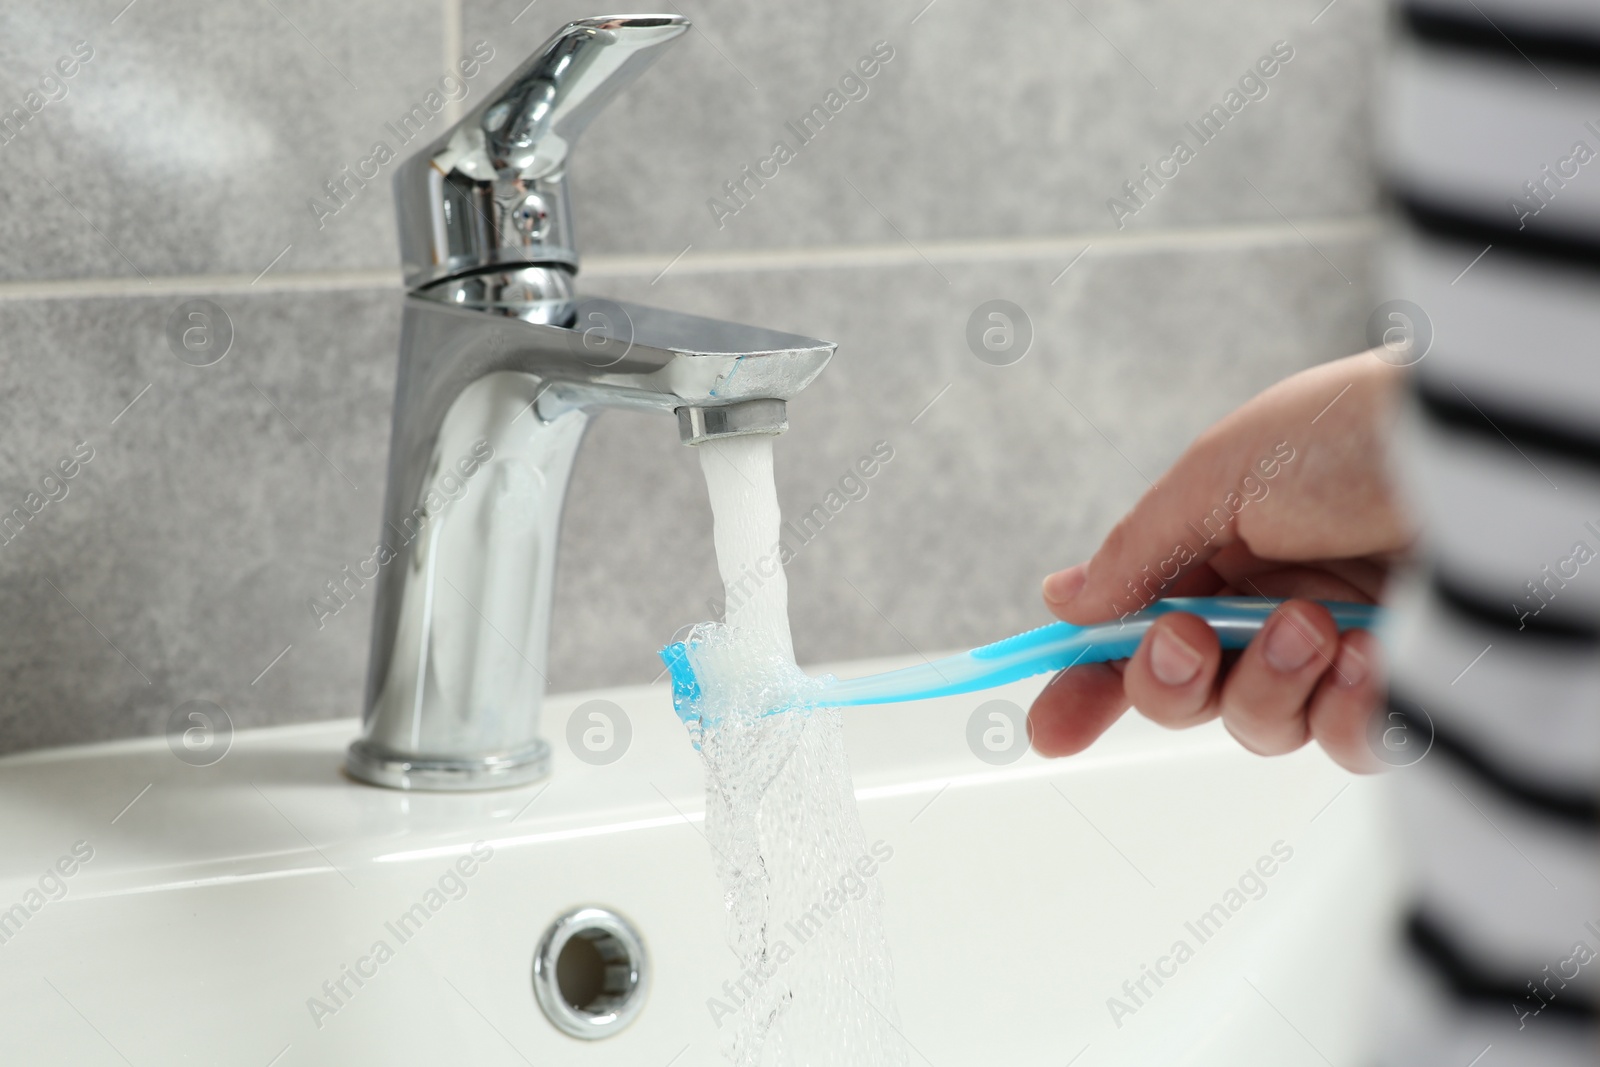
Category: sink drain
[590,973]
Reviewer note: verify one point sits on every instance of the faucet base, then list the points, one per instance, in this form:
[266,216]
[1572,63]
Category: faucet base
[370,763]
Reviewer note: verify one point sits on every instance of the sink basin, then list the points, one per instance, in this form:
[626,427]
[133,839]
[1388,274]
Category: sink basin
[219,900]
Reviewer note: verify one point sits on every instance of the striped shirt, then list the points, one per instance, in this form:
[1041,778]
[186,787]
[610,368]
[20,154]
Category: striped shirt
[1490,146]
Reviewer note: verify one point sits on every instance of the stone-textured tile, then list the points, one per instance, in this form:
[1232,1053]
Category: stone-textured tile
[994,119]
[210,511]
[194,139]
[196,136]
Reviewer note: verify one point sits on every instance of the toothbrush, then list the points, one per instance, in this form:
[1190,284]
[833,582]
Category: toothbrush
[1047,649]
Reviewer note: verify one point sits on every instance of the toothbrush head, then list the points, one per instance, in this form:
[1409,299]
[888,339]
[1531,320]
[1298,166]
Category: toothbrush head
[688,696]
[685,686]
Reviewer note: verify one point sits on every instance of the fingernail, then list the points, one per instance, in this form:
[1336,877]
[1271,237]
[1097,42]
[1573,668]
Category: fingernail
[1350,667]
[1062,586]
[1288,646]
[1173,660]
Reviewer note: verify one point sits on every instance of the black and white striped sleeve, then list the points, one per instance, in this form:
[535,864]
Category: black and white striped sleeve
[1490,144]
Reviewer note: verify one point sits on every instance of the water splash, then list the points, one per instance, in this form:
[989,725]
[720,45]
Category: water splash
[813,983]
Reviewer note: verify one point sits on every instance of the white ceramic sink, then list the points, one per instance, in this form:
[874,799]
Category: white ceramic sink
[1019,899]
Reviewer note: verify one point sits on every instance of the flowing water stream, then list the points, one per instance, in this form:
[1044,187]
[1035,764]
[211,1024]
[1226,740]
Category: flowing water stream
[812,983]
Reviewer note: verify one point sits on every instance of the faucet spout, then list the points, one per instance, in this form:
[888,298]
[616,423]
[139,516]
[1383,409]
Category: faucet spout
[489,414]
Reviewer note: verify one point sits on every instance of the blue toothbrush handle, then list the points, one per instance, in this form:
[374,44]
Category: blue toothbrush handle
[1235,619]
[1059,645]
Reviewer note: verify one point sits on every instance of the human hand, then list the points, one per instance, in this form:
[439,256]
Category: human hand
[1288,496]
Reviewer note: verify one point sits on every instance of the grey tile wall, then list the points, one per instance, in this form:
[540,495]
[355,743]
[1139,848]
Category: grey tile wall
[992,119]
[197,134]
[178,564]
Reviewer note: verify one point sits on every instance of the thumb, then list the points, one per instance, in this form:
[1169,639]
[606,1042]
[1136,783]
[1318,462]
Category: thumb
[1180,523]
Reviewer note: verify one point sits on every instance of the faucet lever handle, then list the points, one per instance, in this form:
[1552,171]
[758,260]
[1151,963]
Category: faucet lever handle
[492,190]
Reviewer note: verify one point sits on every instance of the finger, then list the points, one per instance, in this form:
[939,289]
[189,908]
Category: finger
[1076,707]
[1201,581]
[1171,678]
[1325,580]
[1061,587]
[1264,697]
[1151,547]
[1344,703]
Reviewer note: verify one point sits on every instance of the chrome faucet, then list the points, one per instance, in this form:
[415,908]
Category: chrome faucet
[501,369]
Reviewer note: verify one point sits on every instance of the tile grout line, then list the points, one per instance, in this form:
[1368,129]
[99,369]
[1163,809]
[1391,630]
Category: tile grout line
[174,284]
[454,34]
[1219,238]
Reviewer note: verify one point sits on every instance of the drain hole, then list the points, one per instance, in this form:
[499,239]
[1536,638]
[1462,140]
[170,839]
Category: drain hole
[589,974]
[594,973]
